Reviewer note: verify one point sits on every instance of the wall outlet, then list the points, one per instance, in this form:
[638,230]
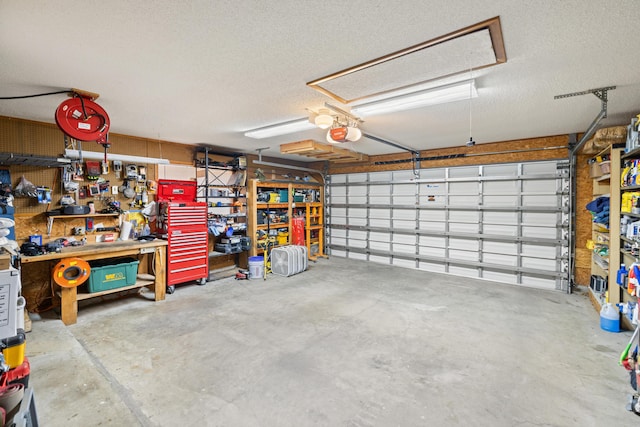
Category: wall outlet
[114,189]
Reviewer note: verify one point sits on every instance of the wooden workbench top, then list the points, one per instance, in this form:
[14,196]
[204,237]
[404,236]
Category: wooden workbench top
[93,250]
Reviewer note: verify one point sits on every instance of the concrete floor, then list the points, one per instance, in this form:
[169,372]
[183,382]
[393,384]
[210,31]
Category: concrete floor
[345,343]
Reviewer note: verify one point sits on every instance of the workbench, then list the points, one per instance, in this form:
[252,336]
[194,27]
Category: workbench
[70,296]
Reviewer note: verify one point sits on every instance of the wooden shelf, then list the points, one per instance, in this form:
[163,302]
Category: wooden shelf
[139,284]
[267,206]
[272,225]
[51,218]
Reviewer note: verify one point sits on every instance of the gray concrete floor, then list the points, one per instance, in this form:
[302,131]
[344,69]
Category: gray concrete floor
[346,343]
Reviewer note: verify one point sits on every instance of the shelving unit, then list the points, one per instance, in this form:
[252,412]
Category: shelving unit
[618,294]
[601,258]
[314,230]
[269,217]
[222,186]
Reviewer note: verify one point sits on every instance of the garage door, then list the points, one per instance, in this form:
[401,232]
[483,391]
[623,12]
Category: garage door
[506,222]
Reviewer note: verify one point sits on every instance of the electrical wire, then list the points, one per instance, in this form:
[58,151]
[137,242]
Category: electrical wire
[36,95]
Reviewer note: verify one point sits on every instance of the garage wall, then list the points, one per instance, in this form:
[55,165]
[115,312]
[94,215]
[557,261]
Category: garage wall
[503,222]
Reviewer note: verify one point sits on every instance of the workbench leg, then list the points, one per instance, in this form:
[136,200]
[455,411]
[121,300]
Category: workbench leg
[69,305]
[160,285]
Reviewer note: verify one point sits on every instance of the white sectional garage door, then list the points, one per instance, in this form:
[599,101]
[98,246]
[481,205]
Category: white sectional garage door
[506,222]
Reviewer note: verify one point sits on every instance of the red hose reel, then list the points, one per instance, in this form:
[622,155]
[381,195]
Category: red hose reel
[82,119]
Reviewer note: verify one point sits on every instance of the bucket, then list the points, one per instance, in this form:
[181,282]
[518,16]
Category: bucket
[256,267]
[610,318]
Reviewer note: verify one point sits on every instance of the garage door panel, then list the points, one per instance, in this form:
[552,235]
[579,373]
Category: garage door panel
[338,220]
[357,255]
[500,170]
[379,246]
[380,223]
[380,200]
[355,243]
[464,216]
[433,215]
[500,247]
[432,266]
[500,201]
[542,219]
[546,186]
[501,230]
[464,172]
[381,176]
[512,205]
[468,200]
[404,224]
[338,232]
[380,237]
[544,232]
[404,214]
[500,276]
[403,200]
[433,189]
[407,263]
[358,190]
[462,255]
[494,217]
[432,201]
[357,200]
[432,251]
[539,168]
[540,264]
[498,187]
[403,248]
[340,241]
[405,239]
[464,244]
[464,188]
[464,227]
[358,213]
[539,251]
[357,234]
[405,190]
[360,222]
[491,258]
[379,259]
[463,271]
[540,201]
[435,241]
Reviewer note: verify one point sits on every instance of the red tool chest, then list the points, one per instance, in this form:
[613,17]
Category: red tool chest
[184,224]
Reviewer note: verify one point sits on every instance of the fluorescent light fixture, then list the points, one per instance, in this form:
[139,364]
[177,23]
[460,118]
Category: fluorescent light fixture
[439,95]
[98,155]
[281,129]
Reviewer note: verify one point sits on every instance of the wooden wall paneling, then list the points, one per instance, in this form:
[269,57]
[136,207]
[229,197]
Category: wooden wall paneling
[513,151]
[584,195]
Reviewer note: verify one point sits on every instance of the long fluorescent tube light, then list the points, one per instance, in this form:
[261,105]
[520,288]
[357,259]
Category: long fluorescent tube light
[281,129]
[438,95]
[97,155]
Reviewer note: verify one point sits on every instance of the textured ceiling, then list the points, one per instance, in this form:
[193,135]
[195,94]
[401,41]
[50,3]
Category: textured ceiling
[205,72]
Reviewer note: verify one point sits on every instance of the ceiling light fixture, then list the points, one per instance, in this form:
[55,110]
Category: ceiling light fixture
[280,129]
[439,95]
[324,119]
